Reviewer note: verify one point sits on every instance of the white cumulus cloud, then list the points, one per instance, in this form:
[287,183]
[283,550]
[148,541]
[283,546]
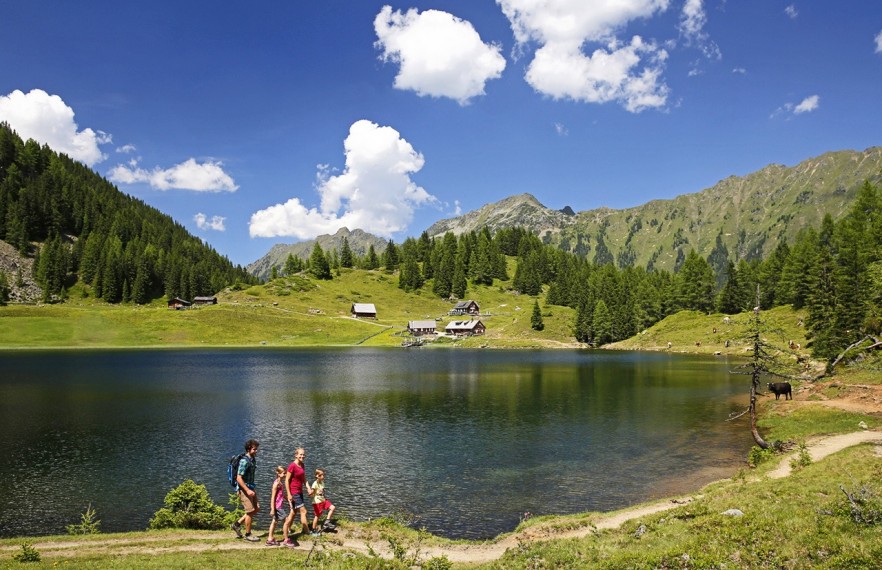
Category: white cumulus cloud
[203,222]
[791,11]
[49,120]
[439,54]
[878,40]
[807,105]
[374,192]
[208,176]
[629,73]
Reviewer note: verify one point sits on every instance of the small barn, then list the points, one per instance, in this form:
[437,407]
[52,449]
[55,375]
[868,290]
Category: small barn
[205,300]
[364,311]
[177,303]
[466,308]
[421,328]
[465,328]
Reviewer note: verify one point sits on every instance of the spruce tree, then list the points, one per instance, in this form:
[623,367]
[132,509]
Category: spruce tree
[602,324]
[346,254]
[371,260]
[536,322]
[318,263]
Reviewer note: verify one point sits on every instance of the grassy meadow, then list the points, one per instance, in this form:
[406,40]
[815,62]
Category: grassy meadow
[295,312]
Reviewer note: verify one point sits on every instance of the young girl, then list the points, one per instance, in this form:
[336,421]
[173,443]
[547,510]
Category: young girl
[319,502]
[279,507]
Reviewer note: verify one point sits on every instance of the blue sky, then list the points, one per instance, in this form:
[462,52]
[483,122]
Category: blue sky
[261,124]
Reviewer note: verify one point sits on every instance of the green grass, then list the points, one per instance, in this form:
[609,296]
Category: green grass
[796,424]
[295,312]
[686,328]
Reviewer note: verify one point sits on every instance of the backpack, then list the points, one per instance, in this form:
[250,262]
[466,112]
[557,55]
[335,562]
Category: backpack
[233,469]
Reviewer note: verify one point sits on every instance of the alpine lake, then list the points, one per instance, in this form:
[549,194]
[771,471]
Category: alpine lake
[463,442]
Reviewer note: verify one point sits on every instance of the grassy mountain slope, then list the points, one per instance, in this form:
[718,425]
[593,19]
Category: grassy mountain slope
[751,214]
[286,312]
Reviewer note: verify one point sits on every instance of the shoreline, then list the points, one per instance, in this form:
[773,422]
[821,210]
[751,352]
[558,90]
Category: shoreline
[362,539]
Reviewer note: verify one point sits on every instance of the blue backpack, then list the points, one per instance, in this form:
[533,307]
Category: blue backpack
[233,469]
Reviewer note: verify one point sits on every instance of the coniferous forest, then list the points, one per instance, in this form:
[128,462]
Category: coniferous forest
[130,252]
[834,272]
[126,250]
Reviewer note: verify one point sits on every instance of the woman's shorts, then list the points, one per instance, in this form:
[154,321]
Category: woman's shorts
[297,501]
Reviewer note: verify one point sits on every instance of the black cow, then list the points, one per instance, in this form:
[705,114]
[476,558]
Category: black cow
[781,388]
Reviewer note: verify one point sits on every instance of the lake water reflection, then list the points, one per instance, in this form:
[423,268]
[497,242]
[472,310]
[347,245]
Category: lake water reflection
[466,440]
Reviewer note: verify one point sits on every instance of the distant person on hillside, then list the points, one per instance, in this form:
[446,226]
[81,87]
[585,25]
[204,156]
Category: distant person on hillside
[320,502]
[247,494]
[279,507]
[295,482]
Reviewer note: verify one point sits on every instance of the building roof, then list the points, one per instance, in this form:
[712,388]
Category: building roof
[363,308]
[462,325]
[421,324]
[464,304]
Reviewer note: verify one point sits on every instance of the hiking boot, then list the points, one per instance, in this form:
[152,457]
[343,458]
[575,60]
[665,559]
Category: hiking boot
[251,538]
[235,528]
[290,543]
[273,543]
[315,533]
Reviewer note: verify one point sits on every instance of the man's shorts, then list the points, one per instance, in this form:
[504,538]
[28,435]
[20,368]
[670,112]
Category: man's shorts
[249,504]
[319,508]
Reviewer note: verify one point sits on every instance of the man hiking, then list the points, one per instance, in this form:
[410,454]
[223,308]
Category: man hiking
[247,494]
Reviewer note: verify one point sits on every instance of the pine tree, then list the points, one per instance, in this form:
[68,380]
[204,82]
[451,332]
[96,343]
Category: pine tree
[459,285]
[410,278]
[318,263]
[390,257]
[729,300]
[346,254]
[602,324]
[371,260]
[536,319]
[795,285]
[291,266]
[695,290]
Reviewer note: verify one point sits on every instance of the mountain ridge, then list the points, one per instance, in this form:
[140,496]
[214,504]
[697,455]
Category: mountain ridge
[749,214]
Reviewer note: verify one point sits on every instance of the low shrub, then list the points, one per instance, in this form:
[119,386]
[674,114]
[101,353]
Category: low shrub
[89,523]
[28,553]
[758,455]
[189,506]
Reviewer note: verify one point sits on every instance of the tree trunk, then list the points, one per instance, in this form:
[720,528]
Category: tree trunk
[753,429]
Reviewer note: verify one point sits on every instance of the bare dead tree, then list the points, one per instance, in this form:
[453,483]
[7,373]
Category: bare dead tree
[855,349]
[764,361]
